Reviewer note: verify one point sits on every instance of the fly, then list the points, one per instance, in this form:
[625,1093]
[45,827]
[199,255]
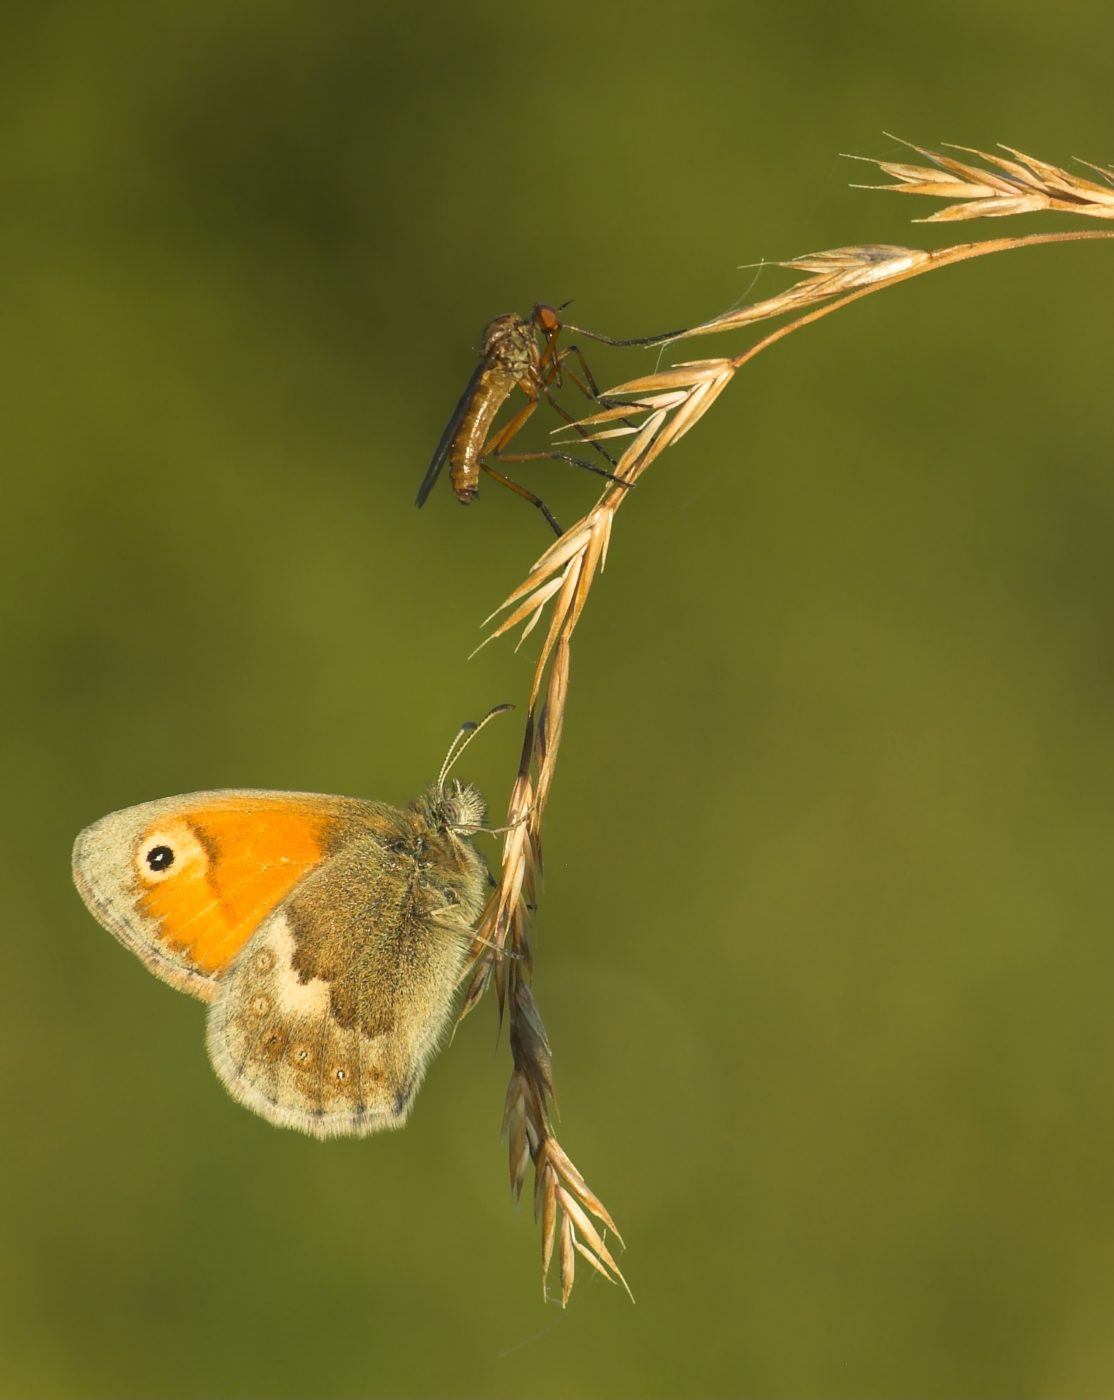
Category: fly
[516,353]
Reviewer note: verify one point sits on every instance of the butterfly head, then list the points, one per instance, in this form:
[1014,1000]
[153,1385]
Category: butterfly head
[456,808]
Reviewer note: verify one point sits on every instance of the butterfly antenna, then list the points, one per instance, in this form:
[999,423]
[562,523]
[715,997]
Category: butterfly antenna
[468,731]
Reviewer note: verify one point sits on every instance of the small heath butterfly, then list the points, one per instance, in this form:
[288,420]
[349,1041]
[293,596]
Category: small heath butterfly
[325,933]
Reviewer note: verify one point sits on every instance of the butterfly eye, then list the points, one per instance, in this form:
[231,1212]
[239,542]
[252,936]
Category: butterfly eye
[450,895]
[159,858]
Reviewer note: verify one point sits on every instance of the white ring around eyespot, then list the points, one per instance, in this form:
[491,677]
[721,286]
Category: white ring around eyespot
[176,837]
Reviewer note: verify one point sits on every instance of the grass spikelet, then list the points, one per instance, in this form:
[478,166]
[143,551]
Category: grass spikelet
[670,402]
[999,186]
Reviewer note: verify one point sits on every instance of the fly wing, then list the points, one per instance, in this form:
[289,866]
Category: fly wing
[442,449]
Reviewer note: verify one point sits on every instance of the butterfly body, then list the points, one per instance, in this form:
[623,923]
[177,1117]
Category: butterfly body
[326,933]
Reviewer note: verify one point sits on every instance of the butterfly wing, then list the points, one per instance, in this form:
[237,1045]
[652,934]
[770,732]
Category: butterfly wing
[185,881]
[331,1012]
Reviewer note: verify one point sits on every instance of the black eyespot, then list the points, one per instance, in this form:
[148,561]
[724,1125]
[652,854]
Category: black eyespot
[450,895]
[160,858]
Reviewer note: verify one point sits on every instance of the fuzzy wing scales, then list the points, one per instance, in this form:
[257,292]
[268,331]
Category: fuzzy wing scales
[334,1008]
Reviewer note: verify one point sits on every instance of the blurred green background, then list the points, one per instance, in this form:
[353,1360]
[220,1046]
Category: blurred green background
[824,949]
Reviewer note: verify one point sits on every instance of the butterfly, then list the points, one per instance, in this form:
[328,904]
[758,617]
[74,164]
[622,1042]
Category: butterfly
[327,935]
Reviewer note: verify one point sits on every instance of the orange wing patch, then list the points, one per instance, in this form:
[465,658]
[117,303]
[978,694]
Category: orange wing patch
[209,877]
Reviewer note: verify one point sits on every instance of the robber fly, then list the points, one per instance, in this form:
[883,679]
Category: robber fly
[516,353]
